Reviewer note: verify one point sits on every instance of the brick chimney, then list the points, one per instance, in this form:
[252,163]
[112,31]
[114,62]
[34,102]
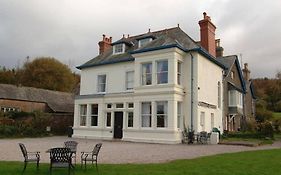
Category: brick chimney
[246,72]
[207,34]
[219,49]
[105,44]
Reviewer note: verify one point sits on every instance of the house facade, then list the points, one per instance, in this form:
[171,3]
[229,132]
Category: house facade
[234,90]
[150,87]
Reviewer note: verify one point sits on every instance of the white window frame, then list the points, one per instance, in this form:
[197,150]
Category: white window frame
[99,88]
[143,115]
[144,75]
[164,115]
[144,41]
[82,116]
[94,115]
[127,81]
[159,72]
[116,50]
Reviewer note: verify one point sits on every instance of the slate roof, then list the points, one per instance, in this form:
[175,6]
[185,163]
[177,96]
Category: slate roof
[228,62]
[167,38]
[57,101]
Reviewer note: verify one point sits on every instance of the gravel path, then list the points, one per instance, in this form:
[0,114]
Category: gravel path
[121,152]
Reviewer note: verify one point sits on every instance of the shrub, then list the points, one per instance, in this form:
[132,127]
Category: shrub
[263,115]
[277,125]
[265,129]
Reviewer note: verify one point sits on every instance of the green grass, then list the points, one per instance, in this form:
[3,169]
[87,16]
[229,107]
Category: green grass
[266,162]
[276,115]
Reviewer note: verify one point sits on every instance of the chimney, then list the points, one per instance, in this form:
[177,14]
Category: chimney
[207,34]
[219,49]
[246,72]
[105,44]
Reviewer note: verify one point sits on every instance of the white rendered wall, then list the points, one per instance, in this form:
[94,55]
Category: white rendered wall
[115,77]
[208,76]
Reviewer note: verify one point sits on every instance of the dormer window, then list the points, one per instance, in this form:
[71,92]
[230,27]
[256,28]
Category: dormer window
[144,41]
[119,48]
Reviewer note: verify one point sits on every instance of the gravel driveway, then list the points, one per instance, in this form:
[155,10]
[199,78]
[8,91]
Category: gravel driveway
[120,152]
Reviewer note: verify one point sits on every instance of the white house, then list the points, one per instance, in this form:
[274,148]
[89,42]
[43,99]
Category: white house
[149,87]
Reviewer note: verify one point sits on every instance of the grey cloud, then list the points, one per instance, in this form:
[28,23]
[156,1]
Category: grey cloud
[70,30]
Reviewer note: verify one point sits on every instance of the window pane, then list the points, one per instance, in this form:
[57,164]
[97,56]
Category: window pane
[130,105]
[130,119]
[94,109]
[83,109]
[120,105]
[94,120]
[129,80]
[101,83]
[144,41]
[179,115]
[147,74]
[109,105]
[146,114]
[118,48]
[162,72]
[94,115]
[162,112]
[83,114]
[108,119]
[146,108]
[179,73]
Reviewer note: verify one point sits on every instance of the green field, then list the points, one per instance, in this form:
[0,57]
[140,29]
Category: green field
[266,162]
[276,115]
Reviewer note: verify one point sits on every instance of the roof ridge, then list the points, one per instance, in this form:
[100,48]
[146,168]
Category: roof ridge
[34,88]
[154,32]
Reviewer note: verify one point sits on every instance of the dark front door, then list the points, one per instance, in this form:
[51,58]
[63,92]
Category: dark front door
[118,125]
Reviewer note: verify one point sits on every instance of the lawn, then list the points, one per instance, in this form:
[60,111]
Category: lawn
[276,115]
[266,162]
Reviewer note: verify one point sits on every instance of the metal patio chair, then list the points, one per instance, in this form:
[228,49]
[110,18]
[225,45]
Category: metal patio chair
[91,156]
[60,158]
[29,156]
[73,148]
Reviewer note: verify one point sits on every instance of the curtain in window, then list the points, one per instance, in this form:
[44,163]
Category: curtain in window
[146,114]
[162,72]
[146,74]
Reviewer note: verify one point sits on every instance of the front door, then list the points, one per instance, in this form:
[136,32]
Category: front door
[118,125]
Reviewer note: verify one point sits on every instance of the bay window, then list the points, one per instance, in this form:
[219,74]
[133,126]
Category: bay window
[235,98]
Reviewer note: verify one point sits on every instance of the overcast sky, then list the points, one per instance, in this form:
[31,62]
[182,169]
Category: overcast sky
[69,30]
